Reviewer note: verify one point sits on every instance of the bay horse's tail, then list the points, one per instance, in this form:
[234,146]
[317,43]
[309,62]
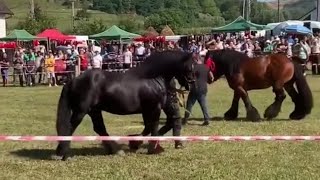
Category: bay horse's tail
[64,112]
[305,98]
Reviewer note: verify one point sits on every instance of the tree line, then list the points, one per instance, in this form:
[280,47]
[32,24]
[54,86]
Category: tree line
[180,15]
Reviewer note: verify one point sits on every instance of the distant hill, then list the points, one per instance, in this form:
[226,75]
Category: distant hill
[20,8]
[274,3]
[293,9]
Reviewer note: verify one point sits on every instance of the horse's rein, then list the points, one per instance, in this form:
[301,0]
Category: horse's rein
[181,97]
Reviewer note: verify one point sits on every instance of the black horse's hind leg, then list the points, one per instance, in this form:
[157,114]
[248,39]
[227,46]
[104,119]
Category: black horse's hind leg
[273,110]
[63,148]
[252,112]
[296,114]
[99,127]
[232,113]
[151,119]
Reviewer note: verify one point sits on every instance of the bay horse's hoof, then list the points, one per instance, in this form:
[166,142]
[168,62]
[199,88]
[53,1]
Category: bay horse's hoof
[155,148]
[134,145]
[230,115]
[253,115]
[270,113]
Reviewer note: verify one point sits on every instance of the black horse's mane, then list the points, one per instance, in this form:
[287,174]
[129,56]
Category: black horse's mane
[160,63]
[227,61]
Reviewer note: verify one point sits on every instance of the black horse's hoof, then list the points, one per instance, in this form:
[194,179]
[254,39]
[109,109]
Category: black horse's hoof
[61,158]
[230,115]
[253,115]
[179,145]
[134,145]
[111,147]
[297,116]
[155,149]
[56,157]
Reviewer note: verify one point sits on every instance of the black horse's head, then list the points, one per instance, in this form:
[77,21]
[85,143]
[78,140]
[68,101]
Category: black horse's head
[185,75]
[169,64]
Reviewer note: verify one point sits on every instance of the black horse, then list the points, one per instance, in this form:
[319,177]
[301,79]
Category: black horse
[140,90]
[277,71]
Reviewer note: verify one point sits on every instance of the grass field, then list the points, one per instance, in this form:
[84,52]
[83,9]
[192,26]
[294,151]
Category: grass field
[62,14]
[31,111]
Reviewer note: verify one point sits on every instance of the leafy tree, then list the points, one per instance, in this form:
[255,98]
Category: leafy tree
[37,24]
[89,28]
[129,25]
[83,14]
[209,7]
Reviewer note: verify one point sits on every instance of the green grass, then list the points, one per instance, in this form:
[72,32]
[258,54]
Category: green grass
[31,111]
[62,14]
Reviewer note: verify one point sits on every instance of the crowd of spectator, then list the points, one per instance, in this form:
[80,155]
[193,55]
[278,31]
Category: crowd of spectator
[44,66]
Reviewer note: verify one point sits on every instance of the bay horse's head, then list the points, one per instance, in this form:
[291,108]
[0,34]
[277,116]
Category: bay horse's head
[211,61]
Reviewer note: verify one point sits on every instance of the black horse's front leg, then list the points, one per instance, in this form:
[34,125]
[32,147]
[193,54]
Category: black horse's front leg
[252,112]
[171,123]
[232,113]
[67,128]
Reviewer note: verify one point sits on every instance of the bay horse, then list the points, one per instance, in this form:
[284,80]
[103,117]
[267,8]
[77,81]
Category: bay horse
[141,90]
[244,74]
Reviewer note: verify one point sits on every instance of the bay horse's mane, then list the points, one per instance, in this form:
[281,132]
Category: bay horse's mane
[160,64]
[227,61]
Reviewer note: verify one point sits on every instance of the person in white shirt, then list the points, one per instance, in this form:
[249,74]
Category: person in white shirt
[140,51]
[219,45]
[96,60]
[127,55]
[315,54]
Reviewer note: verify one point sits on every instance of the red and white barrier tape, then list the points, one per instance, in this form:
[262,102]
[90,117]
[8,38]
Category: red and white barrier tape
[159,138]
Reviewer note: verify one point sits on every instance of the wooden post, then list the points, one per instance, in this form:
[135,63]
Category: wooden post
[318,10]
[279,19]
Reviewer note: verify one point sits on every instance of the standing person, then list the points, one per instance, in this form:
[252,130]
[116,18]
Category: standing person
[301,52]
[4,66]
[83,60]
[49,64]
[29,60]
[96,60]
[140,51]
[127,56]
[18,68]
[39,65]
[198,92]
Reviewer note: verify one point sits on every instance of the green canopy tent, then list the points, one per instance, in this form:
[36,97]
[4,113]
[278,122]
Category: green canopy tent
[19,35]
[240,24]
[114,33]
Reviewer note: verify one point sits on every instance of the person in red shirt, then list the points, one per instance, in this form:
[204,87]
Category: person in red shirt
[83,60]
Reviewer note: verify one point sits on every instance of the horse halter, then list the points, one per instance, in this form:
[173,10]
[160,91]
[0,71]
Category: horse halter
[211,65]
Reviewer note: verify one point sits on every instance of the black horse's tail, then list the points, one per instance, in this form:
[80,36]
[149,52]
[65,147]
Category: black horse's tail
[305,98]
[64,112]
